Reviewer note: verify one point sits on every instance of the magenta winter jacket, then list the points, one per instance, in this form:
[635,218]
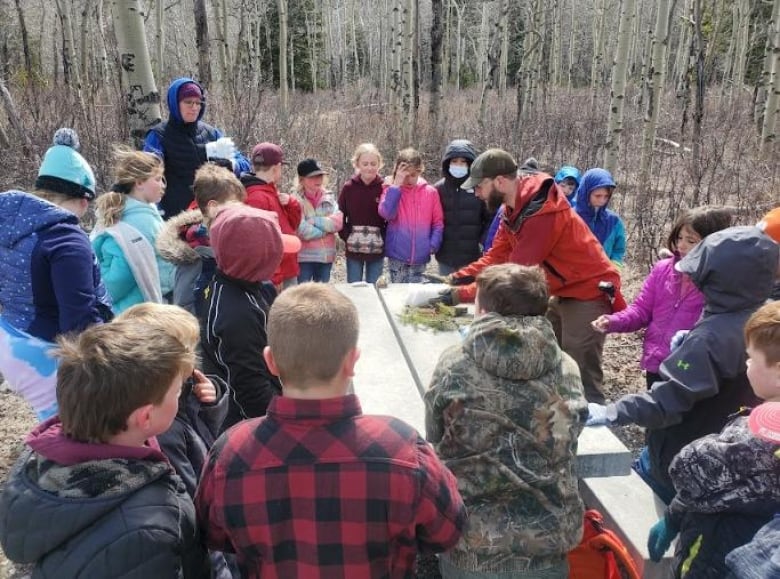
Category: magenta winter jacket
[415,222]
[662,309]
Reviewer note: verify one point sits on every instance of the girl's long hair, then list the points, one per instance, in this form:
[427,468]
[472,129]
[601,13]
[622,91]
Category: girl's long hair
[130,167]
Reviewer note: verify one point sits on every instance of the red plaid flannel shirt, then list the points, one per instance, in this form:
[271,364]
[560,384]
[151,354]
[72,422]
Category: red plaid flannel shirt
[317,490]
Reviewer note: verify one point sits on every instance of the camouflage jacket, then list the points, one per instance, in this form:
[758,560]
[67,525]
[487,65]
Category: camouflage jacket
[504,411]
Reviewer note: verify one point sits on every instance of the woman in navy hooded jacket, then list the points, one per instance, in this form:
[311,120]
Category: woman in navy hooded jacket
[591,204]
[184,142]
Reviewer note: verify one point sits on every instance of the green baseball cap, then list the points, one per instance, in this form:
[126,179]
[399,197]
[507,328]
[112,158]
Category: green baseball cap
[491,163]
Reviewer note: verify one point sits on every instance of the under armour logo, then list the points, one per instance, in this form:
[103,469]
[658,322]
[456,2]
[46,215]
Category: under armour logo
[683,365]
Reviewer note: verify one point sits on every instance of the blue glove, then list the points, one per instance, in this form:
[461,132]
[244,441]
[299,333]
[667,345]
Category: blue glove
[661,536]
[597,415]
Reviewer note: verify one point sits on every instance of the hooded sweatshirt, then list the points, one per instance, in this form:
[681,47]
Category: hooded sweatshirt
[114,267]
[415,222]
[359,203]
[704,379]
[83,510]
[504,412]
[182,146]
[567,171]
[466,218]
[49,278]
[603,222]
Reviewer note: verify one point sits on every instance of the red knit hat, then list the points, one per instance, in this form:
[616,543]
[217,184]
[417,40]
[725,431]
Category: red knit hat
[770,224]
[247,242]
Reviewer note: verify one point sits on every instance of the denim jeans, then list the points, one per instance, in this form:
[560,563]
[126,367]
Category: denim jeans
[314,271]
[445,269]
[355,268]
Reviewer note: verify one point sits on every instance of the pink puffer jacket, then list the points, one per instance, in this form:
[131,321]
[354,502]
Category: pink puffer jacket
[663,306]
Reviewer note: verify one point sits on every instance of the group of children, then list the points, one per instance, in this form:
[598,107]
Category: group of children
[288,477]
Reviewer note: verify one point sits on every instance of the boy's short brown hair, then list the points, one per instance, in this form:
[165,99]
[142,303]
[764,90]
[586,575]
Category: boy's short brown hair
[311,328]
[174,320]
[215,183]
[513,290]
[762,331]
[108,371]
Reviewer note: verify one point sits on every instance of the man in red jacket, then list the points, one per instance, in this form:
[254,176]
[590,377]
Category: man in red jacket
[539,228]
[262,193]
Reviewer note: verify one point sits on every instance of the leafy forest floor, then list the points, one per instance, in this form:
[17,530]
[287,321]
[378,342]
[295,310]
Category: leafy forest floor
[621,376]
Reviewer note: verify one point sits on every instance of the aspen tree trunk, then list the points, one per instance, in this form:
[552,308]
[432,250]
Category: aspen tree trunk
[142,98]
[283,94]
[202,41]
[436,39]
[407,72]
[570,52]
[557,51]
[714,40]
[447,44]
[83,43]
[28,65]
[356,74]
[70,73]
[16,122]
[159,39]
[102,53]
[768,129]
[395,56]
[311,42]
[740,52]
[221,40]
[597,64]
[503,25]
[762,89]
[698,114]
[459,45]
[656,75]
[618,93]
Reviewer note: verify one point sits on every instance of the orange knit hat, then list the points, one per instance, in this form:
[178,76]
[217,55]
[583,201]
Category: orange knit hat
[770,224]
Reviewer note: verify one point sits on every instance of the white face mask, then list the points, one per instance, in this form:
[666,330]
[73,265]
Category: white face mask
[458,171]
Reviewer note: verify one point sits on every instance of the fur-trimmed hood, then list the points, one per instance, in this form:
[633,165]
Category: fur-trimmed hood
[170,244]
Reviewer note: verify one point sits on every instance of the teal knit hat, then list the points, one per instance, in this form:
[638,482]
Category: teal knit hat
[64,170]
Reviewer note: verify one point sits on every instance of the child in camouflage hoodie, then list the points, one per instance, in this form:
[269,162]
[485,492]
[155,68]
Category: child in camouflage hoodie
[504,412]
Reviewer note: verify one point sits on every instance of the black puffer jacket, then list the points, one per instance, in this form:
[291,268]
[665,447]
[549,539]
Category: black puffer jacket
[101,517]
[466,218]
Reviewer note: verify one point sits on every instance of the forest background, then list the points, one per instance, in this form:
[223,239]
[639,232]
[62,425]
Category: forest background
[678,98]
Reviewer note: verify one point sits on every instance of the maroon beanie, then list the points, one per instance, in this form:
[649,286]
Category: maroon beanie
[247,242]
[189,90]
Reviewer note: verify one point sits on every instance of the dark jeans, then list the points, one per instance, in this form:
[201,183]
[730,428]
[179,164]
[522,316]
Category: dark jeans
[314,271]
[356,267]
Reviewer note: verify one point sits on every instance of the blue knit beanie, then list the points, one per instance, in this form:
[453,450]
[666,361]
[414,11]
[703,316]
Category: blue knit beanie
[64,170]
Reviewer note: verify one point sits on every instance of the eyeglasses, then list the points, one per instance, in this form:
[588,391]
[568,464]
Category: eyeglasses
[191,103]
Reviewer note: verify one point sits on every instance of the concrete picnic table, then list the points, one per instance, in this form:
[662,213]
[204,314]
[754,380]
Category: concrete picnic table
[395,369]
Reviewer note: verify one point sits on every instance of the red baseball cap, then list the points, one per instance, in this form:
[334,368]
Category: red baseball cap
[268,154]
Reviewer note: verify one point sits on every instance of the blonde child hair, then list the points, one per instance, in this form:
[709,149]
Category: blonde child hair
[171,319]
[298,186]
[313,322]
[215,183]
[367,149]
[130,167]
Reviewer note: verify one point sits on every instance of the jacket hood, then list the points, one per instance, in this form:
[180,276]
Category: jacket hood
[568,171]
[734,268]
[591,180]
[458,148]
[22,214]
[170,244]
[513,347]
[74,495]
[173,100]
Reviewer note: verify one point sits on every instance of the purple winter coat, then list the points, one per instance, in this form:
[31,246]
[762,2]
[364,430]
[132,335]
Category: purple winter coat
[662,309]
